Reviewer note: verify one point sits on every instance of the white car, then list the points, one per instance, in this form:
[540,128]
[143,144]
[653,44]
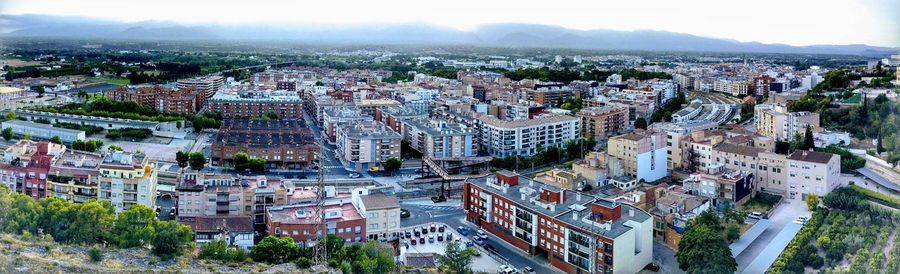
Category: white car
[505,269]
[801,220]
[354,175]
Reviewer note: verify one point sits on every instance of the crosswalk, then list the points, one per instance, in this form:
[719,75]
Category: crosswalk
[437,208]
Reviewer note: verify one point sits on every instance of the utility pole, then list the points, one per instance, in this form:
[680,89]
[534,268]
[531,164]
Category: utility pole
[320,252]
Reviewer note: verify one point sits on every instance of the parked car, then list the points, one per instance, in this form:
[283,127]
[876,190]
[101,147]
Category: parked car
[528,270]
[404,213]
[505,269]
[652,267]
[479,241]
[417,233]
[481,233]
[449,236]
[354,175]
[463,230]
[440,237]
[422,240]
[407,233]
[441,228]
[432,228]
[413,241]
[755,215]
[801,220]
[424,229]
[431,238]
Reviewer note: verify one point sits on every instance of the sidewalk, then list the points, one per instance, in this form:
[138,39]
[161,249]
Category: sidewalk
[428,202]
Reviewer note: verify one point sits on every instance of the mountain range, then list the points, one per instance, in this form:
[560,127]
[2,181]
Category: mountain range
[491,35]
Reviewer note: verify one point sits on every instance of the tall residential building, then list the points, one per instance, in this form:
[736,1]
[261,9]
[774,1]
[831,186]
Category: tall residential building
[209,85]
[576,232]
[776,122]
[525,137]
[127,179]
[249,104]
[301,222]
[641,155]
[602,122]
[364,145]
[75,176]
[439,139]
[811,172]
[25,165]
[180,101]
[382,213]
[334,116]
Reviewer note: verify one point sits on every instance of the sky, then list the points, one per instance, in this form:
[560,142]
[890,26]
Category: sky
[793,22]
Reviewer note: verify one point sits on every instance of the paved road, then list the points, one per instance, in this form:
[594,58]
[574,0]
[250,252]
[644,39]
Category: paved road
[773,250]
[455,216]
[780,218]
[665,258]
[738,247]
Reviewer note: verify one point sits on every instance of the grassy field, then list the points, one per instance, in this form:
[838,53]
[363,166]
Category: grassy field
[853,99]
[119,81]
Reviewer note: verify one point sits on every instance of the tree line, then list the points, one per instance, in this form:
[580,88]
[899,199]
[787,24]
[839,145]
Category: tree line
[92,223]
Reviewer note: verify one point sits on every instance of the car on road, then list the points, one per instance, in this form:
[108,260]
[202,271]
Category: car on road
[354,175]
[478,240]
[481,233]
[404,213]
[801,220]
[652,267]
[528,270]
[449,236]
[463,230]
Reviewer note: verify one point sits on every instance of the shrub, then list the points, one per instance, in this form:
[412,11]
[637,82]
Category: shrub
[303,262]
[95,254]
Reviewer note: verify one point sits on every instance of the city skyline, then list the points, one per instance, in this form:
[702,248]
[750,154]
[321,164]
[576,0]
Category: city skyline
[875,22]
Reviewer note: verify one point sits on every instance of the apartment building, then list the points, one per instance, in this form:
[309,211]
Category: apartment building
[811,172]
[25,166]
[394,117]
[776,122]
[593,168]
[303,223]
[127,179]
[208,85]
[576,232]
[283,143]
[725,188]
[439,139]
[366,145]
[640,155]
[165,100]
[368,106]
[333,116]
[602,122]
[249,104]
[75,176]
[732,87]
[382,214]
[525,137]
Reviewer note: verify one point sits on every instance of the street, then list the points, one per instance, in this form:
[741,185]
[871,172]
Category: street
[762,252]
[454,216]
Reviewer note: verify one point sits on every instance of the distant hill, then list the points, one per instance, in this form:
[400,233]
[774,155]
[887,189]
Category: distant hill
[494,35]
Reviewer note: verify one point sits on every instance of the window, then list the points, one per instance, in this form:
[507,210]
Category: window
[358,230]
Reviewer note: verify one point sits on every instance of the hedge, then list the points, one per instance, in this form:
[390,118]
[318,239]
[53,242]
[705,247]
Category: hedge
[803,237]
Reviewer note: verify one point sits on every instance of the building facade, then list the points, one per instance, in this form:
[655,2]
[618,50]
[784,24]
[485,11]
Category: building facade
[641,155]
[281,143]
[127,179]
[525,137]
[602,122]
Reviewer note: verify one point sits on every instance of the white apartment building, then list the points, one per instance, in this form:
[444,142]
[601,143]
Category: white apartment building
[525,137]
[208,84]
[127,179]
[811,172]
[439,139]
[641,155]
[364,145]
[776,122]
[382,213]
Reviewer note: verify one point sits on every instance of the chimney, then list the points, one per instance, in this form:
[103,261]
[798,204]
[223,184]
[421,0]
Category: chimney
[575,215]
[578,197]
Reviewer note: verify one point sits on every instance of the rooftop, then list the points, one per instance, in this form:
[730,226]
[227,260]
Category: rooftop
[341,209]
[377,201]
[810,156]
[493,121]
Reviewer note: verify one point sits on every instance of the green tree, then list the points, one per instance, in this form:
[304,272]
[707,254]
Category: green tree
[170,239]
[56,140]
[93,222]
[241,161]
[640,123]
[257,165]
[197,160]
[704,250]
[392,164]
[115,147]
[182,158]
[40,91]
[7,134]
[9,116]
[274,250]
[732,233]
[27,136]
[457,260]
[135,226]
[808,141]
[178,124]
[373,258]
[812,201]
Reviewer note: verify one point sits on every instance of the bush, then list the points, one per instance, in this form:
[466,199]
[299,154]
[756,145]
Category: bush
[303,262]
[95,254]
[787,261]
[134,133]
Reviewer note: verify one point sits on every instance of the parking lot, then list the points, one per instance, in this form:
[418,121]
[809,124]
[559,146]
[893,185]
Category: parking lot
[762,252]
[429,243]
